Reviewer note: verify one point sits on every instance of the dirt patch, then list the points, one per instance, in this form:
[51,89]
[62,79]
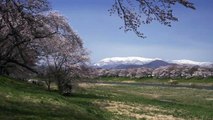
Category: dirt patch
[149,95]
[209,99]
[104,84]
[137,111]
[90,85]
[85,85]
[128,81]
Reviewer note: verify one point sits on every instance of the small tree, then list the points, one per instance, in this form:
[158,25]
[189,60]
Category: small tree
[63,54]
[46,75]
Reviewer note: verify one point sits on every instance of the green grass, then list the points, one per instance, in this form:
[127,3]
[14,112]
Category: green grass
[19,100]
[179,102]
[196,81]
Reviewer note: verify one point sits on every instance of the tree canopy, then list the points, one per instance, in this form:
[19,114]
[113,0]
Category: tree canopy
[21,24]
[27,27]
[134,13]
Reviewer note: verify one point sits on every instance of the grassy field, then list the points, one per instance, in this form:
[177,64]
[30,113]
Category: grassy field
[194,81]
[19,100]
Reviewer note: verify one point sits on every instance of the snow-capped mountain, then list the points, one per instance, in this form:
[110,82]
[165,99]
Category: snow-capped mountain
[124,61]
[190,62]
[129,62]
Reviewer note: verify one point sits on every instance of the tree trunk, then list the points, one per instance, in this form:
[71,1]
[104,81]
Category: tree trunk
[48,83]
[1,71]
[48,87]
[60,88]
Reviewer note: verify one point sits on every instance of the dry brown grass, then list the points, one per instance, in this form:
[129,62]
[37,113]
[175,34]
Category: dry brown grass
[209,99]
[92,85]
[128,81]
[137,111]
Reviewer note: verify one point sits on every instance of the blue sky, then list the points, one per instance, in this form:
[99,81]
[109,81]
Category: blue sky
[189,38]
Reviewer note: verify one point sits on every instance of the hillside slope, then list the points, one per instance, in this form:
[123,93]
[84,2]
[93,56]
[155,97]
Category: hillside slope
[19,100]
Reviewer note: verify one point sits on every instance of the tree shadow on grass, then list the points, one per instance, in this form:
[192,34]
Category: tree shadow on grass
[18,109]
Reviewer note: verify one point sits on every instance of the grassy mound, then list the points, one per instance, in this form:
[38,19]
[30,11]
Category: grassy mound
[20,100]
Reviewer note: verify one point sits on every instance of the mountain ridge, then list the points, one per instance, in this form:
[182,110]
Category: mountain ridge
[136,62]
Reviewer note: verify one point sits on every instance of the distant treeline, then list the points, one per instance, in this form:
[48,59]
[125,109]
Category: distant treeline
[171,71]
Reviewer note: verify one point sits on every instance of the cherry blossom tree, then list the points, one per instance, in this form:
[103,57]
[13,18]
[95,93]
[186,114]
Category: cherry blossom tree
[63,54]
[134,13]
[22,23]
